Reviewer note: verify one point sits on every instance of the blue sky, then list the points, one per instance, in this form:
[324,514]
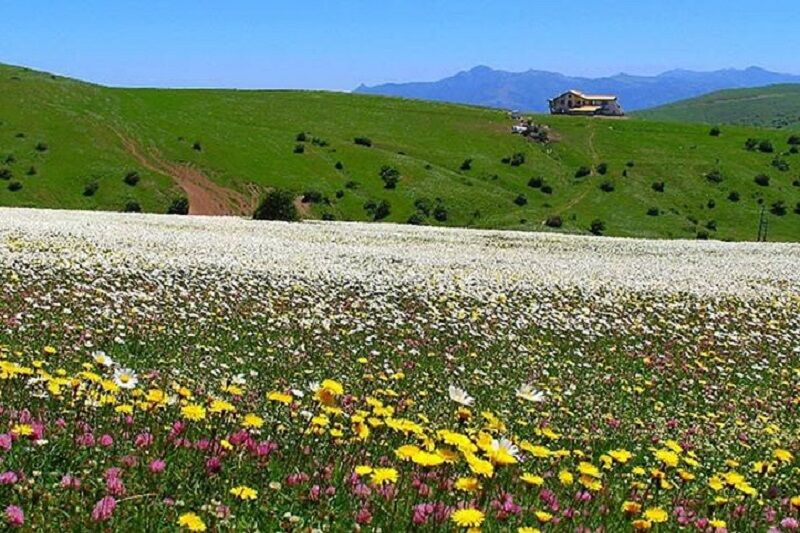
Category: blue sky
[339,44]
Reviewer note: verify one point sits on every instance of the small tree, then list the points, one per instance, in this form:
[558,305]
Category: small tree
[751,144]
[766,147]
[536,182]
[778,208]
[299,148]
[794,140]
[277,204]
[607,186]
[546,189]
[597,227]
[41,147]
[733,196]
[715,131]
[602,169]
[520,200]
[14,186]
[363,141]
[440,213]
[31,171]
[132,206]
[658,186]
[301,137]
[653,212]
[378,210]
[466,165]
[197,146]
[179,206]
[715,176]
[6,174]
[338,165]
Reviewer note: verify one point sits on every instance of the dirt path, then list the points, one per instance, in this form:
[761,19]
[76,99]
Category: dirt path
[205,196]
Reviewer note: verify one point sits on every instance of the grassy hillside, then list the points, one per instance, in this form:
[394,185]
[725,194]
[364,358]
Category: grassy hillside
[232,145]
[777,106]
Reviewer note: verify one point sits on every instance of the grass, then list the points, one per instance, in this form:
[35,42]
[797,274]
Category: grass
[247,141]
[777,106]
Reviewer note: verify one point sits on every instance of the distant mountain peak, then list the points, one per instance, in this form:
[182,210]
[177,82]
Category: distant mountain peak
[530,90]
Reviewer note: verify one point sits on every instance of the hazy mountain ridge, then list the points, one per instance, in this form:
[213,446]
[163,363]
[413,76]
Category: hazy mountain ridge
[530,90]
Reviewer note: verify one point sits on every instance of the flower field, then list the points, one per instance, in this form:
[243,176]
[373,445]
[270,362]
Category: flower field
[204,374]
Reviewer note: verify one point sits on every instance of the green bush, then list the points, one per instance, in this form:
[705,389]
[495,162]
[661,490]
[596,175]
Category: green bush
[466,165]
[520,200]
[299,148]
[301,137]
[762,180]
[653,212]
[781,164]
[715,176]
[131,178]
[31,171]
[338,165]
[547,189]
[766,147]
[41,147]
[658,186]
[715,131]
[536,182]
[554,222]
[14,186]
[440,213]
[733,196]
[416,219]
[378,210]
[778,208]
[390,176]
[90,188]
[597,227]
[312,196]
[602,169]
[277,204]
[583,172]
[6,174]
[197,146]
[424,206]
[702,235]
[132,206]
[363,141]
[607,186]
[751,144]
[179,206]
[794,140]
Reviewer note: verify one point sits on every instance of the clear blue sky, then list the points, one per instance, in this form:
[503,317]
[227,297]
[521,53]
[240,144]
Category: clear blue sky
[338,44]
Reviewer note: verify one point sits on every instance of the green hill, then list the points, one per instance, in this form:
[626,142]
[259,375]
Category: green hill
[777,106]
[69,144]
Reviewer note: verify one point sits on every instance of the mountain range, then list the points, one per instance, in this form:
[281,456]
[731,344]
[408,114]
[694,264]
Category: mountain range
[530,90]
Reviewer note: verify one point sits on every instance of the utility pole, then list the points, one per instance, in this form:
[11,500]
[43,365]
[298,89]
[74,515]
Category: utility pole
[763,225]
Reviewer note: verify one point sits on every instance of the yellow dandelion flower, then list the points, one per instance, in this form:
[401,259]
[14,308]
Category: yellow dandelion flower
[244,493]
[193,412]
[543,516]
[467,517]
[468,484]
[280,397]
[382,476]
[192,522]
[252,421]
[656,515]
[532,479]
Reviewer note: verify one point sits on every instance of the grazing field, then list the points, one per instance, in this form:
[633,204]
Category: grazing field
[72,145]
[217,373]
[777,106]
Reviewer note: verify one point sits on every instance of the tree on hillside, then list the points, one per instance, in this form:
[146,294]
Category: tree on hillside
[277,204]
[179,206]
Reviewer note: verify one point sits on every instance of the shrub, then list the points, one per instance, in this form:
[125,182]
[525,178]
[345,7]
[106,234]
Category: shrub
[515,160]
[301,137]
[712,225]
[424,206]
[711,204]
[602,169]
[91,188]
[10,159]
[796,182]
[328,217]
[196,146]
[390,176]
[554,222]
[630,164]
[466,165]
[702,235]
[658,186]
[340,194]
[41,147]
[794,150]
[277,204]
[179,206]
[794,140]
[6,174]
[440,213]
[20,135]
[31,171]
[597,227]
[733,196]
[780,164]
[363,141]
[132,206]
[378,210]
[778,208]
[351,184]
[312,197]
[14,186]
[762,180]
[583,172]
[547,189]
[299,148]
[520,200]
[607,186]
[751,144]
[715,176]
[766,147]
[715,131]
[653,212]
[131,178]
[416,219]
[536,182]
[322,143]
[338,165]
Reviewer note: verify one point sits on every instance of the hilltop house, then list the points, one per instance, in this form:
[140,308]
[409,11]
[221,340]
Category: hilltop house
[576,103]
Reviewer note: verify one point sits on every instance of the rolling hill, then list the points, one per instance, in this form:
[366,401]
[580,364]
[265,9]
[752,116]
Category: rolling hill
[69,144]
[777,106]
[530,90]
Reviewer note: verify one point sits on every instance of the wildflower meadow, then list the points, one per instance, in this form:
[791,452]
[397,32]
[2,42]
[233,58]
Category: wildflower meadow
[210,374]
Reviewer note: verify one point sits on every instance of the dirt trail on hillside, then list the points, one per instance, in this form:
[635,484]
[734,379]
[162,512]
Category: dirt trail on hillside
[205,196]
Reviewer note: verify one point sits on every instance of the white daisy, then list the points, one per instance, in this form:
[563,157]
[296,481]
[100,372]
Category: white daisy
[125,378]
[507,445]
[102,359]
[460,396]
[526,392]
